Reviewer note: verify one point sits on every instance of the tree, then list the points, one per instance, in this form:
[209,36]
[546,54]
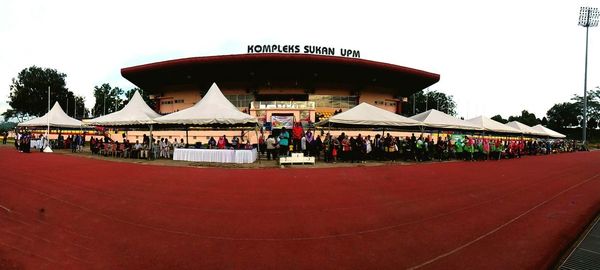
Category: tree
[498,118]
[525,118]
[563,115]
[29,92]
[592,123]
[13,114]
[144,94]
[82,111]
[108,99]
[7,126]
[593,103]
[544,121]
[424,101]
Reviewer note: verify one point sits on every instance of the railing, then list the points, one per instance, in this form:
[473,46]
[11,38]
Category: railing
[264,105]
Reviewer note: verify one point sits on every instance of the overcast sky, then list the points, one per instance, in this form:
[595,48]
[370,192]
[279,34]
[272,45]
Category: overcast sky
[494,57]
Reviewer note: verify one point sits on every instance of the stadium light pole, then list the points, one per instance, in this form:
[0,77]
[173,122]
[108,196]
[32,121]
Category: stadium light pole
[588,17]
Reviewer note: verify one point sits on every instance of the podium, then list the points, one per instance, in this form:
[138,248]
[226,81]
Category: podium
[296,158]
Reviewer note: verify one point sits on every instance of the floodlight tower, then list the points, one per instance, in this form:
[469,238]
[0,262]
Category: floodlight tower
[588,17]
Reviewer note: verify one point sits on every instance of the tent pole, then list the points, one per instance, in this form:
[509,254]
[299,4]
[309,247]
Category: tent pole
[257,144]
[186,137]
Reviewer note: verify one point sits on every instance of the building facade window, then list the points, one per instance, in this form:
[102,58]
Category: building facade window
[343,102]
[240,101]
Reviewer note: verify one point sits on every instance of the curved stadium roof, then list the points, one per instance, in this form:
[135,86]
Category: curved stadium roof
[253,71]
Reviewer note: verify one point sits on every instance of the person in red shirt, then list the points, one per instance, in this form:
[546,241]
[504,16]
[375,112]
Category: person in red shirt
[297,137]
[222,143]
[521,148]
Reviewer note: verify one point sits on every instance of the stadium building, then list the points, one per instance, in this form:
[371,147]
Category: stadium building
[280,88]
[299,85]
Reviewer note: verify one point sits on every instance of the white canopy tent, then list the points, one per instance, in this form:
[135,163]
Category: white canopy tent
[525,129]
[212,110]
[136,112]
[490,125]
[367,115]
[549,132]
[56,117]
[436,119]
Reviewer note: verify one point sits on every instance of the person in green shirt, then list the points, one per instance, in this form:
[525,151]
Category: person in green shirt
[479,150]
[284,142]
[458,148]
[420,146]
[499,148]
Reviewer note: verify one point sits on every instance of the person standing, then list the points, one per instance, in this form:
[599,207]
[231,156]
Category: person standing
[470,147]
[303,144]
[73,144]
[335,145]
[310,144]
[144,150]
[359,148]
[235,142]
[262,143]
[458,148]
[222,144]
[368,146]
[318,146]
[271,146]
[377,147]
[420,145]
[212,143]
[297,133]
[284,142]
[17,138]
[486,149]
[346,147]
[327,146]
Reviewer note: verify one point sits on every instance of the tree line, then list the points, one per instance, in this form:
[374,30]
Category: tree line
[563,115]
[29,96]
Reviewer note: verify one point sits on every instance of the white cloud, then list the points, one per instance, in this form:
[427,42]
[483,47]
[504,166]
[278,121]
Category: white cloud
[493,57]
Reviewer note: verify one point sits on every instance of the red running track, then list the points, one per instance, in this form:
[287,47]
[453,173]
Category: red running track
[511,214]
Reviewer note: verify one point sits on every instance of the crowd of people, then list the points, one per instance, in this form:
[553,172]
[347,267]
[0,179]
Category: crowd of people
[23,141]
[411,148]
[325,146]
[159,148]
[73,142]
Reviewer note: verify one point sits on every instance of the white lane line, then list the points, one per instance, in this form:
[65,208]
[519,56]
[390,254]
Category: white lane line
[5,208]
[501,226]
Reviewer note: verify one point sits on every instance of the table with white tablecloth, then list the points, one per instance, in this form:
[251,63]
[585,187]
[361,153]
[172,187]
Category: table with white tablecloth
[216,155]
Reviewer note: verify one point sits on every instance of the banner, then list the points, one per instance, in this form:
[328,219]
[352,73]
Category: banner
[457,137]
[278,121]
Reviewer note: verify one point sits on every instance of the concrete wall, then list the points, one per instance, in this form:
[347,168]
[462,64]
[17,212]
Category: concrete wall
[191,95]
